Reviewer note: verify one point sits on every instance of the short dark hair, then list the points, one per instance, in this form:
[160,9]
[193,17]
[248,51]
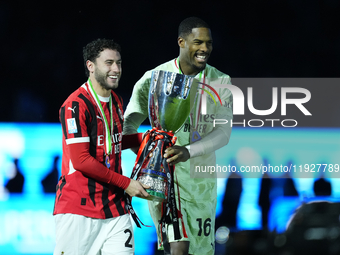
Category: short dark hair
[93,49]
[186,26]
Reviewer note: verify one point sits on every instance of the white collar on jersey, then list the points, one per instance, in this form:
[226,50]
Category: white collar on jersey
[102,99]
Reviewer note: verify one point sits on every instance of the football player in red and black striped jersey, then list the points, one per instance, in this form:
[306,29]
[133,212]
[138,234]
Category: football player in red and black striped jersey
[89,210]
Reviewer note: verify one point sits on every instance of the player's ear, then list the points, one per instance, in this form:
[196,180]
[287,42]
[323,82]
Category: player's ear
[90,66]
[181,42]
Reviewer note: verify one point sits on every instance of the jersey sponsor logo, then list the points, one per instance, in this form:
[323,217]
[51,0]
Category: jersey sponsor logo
[100,140]
[201,128]
[72,109]
[115,139]
[118,148]
[72,126]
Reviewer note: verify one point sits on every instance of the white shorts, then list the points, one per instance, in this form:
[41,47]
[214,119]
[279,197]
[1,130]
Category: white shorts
[80,235]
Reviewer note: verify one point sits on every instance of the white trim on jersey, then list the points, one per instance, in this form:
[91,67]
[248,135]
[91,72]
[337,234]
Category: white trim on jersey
[77,140]
[71,168]
[102,99]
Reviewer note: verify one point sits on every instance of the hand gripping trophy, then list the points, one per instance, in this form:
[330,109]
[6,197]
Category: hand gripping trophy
[171,97]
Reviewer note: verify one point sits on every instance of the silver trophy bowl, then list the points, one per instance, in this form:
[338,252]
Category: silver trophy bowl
[171,98]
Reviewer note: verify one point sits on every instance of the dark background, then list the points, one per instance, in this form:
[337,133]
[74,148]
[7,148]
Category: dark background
[41,54]
[41,44]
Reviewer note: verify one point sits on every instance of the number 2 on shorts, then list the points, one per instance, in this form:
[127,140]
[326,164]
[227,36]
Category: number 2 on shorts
[127,243]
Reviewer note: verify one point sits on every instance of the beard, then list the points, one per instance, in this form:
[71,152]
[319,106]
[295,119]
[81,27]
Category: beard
[195,66]
[199,68]
[102,80]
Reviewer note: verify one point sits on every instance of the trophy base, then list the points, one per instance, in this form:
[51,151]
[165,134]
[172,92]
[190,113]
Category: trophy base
[157,183]
[155,196]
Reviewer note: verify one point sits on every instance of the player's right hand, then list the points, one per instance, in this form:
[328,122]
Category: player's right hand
[137,189]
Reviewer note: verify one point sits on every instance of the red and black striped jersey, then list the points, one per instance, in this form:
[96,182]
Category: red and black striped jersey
[87,187]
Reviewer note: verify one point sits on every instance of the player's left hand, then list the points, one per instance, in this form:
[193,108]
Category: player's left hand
[176,154]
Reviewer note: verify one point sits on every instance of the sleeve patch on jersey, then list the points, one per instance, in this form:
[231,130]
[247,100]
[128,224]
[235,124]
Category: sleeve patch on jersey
[72,126]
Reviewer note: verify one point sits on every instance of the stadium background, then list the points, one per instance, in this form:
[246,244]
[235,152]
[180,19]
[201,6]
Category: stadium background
[41,50]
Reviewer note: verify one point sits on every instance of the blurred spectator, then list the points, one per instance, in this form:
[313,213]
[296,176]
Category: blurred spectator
[50,181]
[16,183]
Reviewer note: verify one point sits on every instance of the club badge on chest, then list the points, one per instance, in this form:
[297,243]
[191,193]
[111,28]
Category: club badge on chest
[107,161]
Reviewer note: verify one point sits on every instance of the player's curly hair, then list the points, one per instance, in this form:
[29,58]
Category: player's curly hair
[186,26]
[93,49]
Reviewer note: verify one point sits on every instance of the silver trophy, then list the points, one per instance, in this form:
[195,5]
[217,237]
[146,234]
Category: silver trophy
[171,98]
